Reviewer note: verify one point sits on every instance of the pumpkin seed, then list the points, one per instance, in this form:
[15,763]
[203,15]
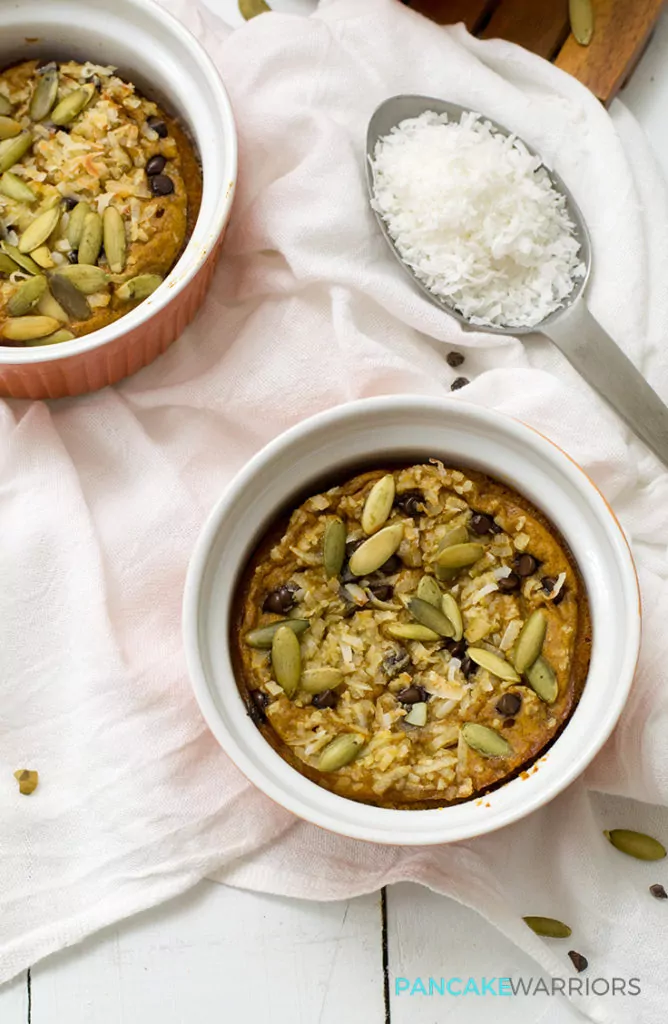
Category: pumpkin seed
[458,556]
[428,590]
[459,535]
[286,659]
[378,504]
[69,297]
[7,265]
[86,278]
[138,288]
[334,547]
[8,127]
[445,575]
[48,306]
[431,617]
[417,714]
[251,8]
[549,927]
[40,229]
[24,262]
[76,222]
[11,150]
[530,641]
[543,680]
[72,105]
[114,239]
[581,15]
[263,636]
[44,95]
[411,631]
[485,741]
[27,780]
[52,339]
[450,608]
[370,555]
[26,328]
[317,680]
[12,187]
[5,106]
[340,752]
[90,242]
[494,663]
[42,257]
[27,296]
[635,844]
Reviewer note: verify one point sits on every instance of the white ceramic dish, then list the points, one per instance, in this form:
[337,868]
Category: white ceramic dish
[154,51]
[408,428]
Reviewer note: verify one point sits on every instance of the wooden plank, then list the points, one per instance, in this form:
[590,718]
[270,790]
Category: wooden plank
[220,954]
[14,1001]
[621,30]
[540,27]
[431,936]
[449,12]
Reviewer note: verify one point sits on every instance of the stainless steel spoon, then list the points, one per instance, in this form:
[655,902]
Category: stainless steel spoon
[572,328]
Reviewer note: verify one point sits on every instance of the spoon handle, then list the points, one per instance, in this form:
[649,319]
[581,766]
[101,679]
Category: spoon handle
[602,363]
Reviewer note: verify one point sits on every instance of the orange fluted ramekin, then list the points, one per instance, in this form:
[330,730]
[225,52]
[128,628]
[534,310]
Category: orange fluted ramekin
[154,51]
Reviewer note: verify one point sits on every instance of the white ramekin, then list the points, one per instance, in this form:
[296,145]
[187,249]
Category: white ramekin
[369,432]
[153,50]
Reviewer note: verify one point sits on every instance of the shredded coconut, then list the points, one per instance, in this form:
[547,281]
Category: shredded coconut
[477,219]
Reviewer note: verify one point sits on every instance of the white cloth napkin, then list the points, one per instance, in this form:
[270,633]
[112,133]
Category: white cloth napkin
[101,499]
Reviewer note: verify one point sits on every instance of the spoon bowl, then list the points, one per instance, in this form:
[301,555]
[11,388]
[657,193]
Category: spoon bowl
[572,328]
[397,109]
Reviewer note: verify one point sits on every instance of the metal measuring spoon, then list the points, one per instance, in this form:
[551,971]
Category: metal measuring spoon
[572,328]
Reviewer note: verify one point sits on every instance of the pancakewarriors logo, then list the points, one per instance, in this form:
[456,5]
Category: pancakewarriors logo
[494,987]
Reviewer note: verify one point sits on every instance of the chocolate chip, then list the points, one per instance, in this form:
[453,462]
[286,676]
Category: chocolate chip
[549,583]
[352,546]
[259,701]
[155,165]
[658,892]
[383,591]
[468,666]
[410,502]
[580,962]
[525,565]
[161,185]
[509,704]
[158,126]
[73,256]
[412,695]
[395,662]
[70,202]
[459,382]
[481,524]
[393,564]
[509,583]
[509,723]
[457,648]
[326,699]
[279,601]
[454,359]
[159,213]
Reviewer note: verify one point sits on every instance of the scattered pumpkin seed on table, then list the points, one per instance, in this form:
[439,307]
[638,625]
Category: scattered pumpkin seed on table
[635,844]
[28,780]
[251,8]
[549,927]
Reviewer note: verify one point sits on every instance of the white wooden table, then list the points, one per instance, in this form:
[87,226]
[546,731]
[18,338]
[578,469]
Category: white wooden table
[221,955]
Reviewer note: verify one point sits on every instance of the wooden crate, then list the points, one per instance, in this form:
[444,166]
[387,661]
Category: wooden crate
[621,32]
